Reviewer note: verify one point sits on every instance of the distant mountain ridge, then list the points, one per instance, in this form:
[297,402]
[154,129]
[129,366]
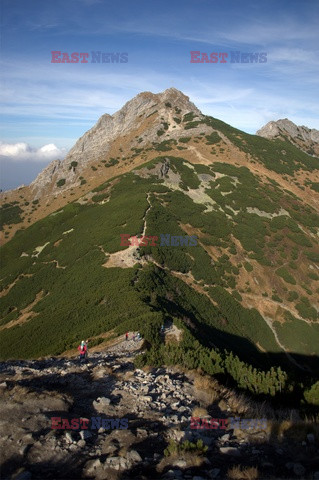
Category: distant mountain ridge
[302,137]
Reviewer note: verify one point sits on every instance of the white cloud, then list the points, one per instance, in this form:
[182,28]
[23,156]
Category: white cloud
[23,151]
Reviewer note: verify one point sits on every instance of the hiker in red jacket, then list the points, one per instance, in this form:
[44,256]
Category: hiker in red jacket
[126,336]
[82,349]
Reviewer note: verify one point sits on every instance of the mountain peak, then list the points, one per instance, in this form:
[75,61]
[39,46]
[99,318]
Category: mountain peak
[143,116]
[302,137]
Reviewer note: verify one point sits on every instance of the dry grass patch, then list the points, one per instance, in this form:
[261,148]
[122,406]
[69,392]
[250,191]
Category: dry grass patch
[200,412]
[242,473]
[191,459]
[206,389]
[147,369]
[100,372]
[293,431]
[238,403]
[128,375]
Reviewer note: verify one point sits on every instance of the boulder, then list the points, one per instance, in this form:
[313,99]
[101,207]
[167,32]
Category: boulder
[233,451]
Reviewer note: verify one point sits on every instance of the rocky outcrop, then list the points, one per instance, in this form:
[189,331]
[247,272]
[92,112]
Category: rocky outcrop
[302,137]
[46,178]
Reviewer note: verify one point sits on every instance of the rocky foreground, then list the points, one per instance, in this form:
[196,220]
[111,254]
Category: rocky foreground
[158,404]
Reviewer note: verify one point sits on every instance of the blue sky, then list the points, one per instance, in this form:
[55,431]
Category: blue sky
[47,106]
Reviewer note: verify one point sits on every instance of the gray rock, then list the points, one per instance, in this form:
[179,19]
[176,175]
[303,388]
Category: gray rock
[180,463]
[177,435]
[134,456]
[171,474]
[81,443]
[225,438]
[299,469]
[141,432]
[230,451]
[92,465]
[68,437]
[115,462]
[23,450]
[104,401]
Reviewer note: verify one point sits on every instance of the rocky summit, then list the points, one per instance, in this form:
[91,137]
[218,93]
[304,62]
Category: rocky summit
[303,137]
[158,442]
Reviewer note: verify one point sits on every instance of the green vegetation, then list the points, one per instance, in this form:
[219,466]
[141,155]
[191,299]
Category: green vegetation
[188,117]
[292,296]
[312,395]
[165,146]
[175,448]
[212,138]
[10,214]
[314,186]
[305,310]
[114,161]
[60,182]
[190,125]
[293,329]
[283,273]
[276,298]
[248,267]
[100,198]
[313,256]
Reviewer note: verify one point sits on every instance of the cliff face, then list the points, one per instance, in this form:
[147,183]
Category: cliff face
[302,137]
